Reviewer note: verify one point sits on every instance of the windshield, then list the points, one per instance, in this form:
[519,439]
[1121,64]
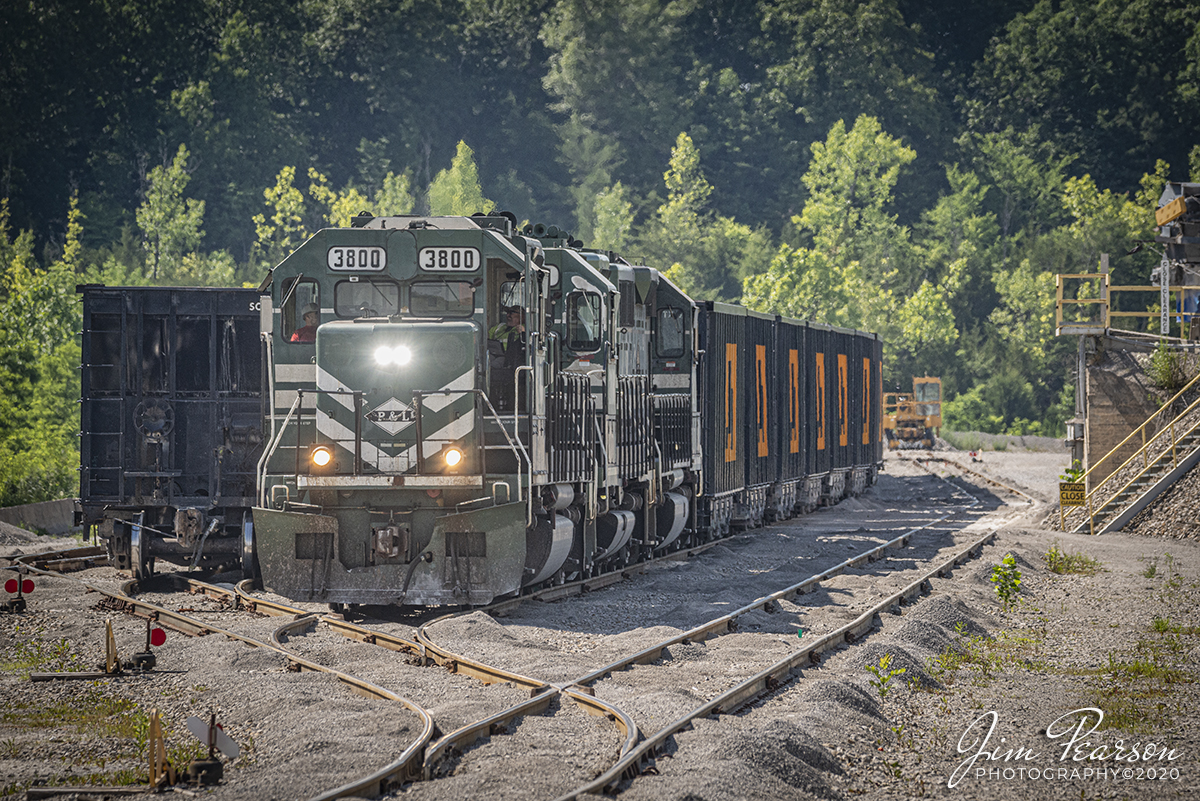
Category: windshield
[442,298]
[366,298]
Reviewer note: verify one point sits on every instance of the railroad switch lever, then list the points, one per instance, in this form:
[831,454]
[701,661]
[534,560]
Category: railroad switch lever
[210,770]
[112,664]
[20,586]
[146,660]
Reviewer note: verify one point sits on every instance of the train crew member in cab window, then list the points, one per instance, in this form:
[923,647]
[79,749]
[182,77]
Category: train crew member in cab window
[510,330]
[506,352]
[312,318]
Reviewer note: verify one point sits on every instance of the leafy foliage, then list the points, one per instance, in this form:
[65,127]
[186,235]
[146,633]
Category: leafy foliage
[1007,579]
[930,196]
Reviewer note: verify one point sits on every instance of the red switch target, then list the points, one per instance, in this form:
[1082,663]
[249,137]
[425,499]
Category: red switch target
[26,586]
[10,585]
[158,637]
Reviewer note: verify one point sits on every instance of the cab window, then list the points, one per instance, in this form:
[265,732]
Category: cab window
[301,299]
[669,341]
[441,299]
[584,317]
[366,297]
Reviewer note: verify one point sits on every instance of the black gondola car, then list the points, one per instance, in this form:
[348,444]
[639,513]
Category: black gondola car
[170,422]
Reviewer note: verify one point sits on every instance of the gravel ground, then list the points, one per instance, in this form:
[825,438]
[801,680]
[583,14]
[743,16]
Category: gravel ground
[1122,637]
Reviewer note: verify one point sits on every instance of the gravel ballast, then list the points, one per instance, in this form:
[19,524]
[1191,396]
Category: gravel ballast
[1124,638]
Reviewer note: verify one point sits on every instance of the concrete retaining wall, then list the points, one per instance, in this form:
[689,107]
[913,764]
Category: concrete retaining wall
[52,517]
[1118,401]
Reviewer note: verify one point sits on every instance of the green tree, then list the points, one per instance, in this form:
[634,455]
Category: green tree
[285,228]
[616,71]
[39,358]
[1028,178]
[171,226]
[395,195]
[614,219]
[1113,81]
[858,265]
[708,256]
[456,190]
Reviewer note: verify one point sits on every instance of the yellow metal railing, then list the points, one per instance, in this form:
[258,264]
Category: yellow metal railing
[1104,299]
[1155,443]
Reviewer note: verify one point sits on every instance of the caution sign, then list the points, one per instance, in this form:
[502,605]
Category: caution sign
[1071,494]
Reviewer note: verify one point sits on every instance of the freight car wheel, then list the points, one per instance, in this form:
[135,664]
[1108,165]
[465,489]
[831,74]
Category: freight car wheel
[249,554]
[141,562]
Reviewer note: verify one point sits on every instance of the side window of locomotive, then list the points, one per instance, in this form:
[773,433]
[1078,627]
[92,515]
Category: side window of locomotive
[366,298]
[669,340]
[512,293]
[441,299]
[584,316]
[300,298]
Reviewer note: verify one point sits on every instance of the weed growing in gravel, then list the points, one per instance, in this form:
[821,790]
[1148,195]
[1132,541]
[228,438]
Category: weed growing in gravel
[1072,473]
[1152,570]
[1007,579]
[884,673]
[969,441]
[14,789]
[1136,690]
[1163,625]
[31,653]
[1059,561]
[9,748]
[91,712]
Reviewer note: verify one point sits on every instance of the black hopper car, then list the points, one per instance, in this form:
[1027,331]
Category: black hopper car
[445,410]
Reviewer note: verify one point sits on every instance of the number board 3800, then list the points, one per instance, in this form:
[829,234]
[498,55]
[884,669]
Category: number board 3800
[448,259]
[359,258]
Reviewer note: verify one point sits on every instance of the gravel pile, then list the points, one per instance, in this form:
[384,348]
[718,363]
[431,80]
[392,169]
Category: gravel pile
[1176,515]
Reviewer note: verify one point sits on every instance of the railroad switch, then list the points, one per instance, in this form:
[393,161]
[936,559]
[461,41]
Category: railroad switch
[21,587]
[140,664]
[211,770]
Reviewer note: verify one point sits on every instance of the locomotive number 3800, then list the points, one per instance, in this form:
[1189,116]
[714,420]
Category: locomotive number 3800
[360,258]
[448,258]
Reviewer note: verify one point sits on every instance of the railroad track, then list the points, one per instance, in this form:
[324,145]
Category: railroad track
[597,691]
[223,622]
[786,663]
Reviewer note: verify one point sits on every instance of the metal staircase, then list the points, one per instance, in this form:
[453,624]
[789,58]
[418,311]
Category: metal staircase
[1170,447]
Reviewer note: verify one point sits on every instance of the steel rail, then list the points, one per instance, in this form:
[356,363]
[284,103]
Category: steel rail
[767,680]
[725,624]
[958,465]
[542,694]
[781,672]
[407,765]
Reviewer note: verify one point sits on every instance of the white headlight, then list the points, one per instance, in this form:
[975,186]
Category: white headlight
[400,355]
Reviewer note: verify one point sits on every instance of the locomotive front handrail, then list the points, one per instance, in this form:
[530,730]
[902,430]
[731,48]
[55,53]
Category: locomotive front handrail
[269,452]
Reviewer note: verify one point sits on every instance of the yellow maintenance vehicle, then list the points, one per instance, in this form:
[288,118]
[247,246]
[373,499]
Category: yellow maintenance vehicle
[912,420]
